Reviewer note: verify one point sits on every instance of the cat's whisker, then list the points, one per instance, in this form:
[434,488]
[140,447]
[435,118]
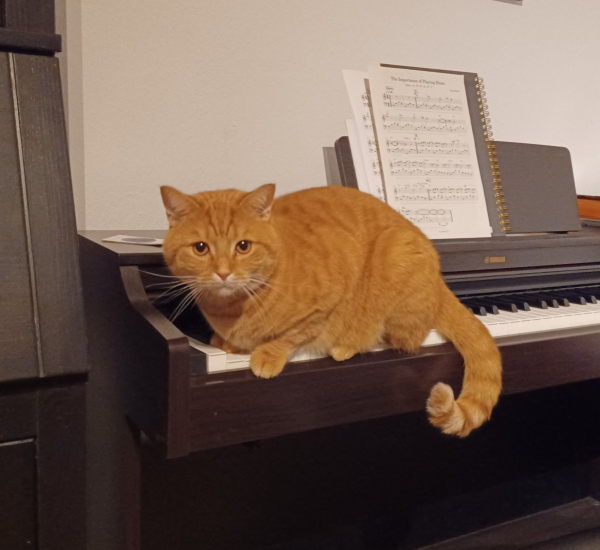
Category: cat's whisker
[258,308]
[261,310]
[179,277]
[187,301]
[171,294]
[168,285]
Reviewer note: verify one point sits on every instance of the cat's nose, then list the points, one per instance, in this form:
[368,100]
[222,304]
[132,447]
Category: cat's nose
[224,274]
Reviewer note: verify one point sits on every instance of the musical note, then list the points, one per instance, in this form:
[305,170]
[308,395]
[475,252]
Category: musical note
[426,193]
[427,216]
[427,148]
[416,123]
[411,168]
[427,103]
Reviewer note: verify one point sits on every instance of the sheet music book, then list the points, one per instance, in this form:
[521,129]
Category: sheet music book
[430,170]
[356,84]
[436,162]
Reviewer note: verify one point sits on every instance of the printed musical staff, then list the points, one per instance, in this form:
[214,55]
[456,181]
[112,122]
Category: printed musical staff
[372,143]
[427,148]
[432,168]
[376,167]
[417,123]
[435,194]
[427,217]
[427,103]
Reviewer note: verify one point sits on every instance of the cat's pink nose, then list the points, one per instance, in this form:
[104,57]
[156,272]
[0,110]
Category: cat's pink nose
[223,274]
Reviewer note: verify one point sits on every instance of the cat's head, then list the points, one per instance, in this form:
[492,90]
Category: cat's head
[221,241]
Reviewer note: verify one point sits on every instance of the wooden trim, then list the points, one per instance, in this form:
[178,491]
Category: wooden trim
[20,360]
[236,407]
[50,214]
[178,362]
[568,519]
[29,42]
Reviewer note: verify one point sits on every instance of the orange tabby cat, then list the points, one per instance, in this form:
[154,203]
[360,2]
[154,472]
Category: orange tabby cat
[330,268]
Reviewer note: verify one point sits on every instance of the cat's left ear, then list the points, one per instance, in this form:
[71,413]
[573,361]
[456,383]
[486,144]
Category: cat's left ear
[260,201]
[177,204]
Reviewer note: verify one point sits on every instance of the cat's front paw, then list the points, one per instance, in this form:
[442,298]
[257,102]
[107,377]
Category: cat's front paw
[267,364]
[341,353]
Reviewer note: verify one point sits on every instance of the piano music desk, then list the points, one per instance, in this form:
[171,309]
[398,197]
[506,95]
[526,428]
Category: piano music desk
[144,370]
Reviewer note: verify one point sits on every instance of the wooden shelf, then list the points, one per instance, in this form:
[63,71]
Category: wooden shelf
[29,42]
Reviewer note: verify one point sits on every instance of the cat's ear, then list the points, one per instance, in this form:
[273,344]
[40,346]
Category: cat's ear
[260,201]
[177,204]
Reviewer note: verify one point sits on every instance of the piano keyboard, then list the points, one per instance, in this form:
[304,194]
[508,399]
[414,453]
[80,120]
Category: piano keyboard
[522,313]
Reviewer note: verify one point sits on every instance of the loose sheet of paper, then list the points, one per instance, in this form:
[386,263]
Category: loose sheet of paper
[128,239]
[359,100]
[359,165]
[427,149]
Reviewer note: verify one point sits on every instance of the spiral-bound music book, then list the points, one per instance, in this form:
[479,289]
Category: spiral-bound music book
[426,147]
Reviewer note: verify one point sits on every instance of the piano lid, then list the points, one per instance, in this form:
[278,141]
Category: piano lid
[457,256]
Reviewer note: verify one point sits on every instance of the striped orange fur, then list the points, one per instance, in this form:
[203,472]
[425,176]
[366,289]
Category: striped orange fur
[328,268]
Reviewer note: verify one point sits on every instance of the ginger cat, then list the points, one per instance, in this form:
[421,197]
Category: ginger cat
[331,268]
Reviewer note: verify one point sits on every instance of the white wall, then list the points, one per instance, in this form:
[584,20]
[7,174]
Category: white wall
[68,24]
[203,94]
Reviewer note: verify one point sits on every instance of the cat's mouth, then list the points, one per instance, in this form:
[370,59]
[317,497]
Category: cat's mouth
[239,287]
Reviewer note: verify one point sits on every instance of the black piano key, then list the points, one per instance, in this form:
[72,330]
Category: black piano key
[509,306]
[572,296]
[488,304]
[581,295]
[556,301]
[547,298]
[578,293]
[593,292]
[477,310]
[535,301]
[511,303]
[590,298]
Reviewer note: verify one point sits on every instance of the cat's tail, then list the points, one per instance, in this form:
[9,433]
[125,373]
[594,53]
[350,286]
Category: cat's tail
[483,372]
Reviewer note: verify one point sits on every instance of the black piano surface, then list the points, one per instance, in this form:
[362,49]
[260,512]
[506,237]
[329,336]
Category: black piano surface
[496,275]
[345,448]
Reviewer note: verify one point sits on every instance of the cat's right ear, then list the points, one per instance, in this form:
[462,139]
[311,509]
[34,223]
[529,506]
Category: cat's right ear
[177,204]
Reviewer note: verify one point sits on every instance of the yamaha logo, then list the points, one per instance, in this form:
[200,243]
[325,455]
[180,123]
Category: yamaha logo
[495,259]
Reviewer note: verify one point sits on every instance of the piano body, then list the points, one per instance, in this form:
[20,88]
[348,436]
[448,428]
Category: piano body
[538,295]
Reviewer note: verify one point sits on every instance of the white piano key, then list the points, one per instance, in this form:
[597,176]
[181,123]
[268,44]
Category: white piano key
[216,359]
[504,324]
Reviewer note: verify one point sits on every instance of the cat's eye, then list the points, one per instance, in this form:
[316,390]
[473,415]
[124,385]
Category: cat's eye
[201,248]
[243,247]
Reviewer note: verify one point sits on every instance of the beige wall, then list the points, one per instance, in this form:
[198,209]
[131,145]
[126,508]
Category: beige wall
[68,24]
[202,94]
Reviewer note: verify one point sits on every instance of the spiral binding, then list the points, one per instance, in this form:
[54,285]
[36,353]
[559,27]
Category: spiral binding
[491,151]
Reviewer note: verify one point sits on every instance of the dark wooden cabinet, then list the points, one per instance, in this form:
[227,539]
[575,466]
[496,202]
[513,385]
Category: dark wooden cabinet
[41,306]
[17,503]
[42,473]
[43,361]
